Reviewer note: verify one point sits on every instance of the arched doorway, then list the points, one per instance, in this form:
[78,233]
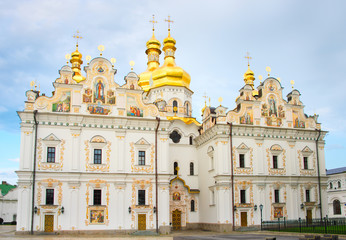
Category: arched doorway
[176,219]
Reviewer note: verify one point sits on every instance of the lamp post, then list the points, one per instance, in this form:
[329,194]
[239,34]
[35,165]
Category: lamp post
[261,208]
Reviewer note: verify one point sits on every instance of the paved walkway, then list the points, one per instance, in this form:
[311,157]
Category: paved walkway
[7,232]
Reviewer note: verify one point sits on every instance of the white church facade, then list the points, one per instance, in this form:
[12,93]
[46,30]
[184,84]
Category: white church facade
[103,156]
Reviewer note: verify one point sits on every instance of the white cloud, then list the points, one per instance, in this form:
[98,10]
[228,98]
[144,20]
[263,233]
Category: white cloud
[14,159]
[3,109]
[9,175]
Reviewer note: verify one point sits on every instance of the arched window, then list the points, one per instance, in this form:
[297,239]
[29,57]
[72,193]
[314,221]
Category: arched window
[175,168]
[175,106]
[339,184]
[191,140]
[192,205]
[331,185]
[191,169]
[336,207]
[187,109]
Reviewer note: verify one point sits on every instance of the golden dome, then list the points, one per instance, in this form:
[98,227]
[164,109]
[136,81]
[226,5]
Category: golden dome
[249,77]
[76,61]
[169,74]
[153,51]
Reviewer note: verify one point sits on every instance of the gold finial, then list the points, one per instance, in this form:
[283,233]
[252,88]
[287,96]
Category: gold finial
[209,102]
[132,63]
[177,168]
[169,22]
[67,57]
[248,58]
[260,78]
[220,100]
[88,58]
[113,61]
[153,22]
[205,99]
[77,36]
[292,83]
[268,69]
[101,48]
[279,79]
[32,84]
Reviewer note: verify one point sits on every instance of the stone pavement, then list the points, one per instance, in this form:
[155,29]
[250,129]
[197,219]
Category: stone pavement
[7,232]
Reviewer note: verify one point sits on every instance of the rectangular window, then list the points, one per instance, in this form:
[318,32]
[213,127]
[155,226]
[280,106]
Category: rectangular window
[97,197]
[97,156]
[141,197]
[49,196]
[275,161]
[51,154]
[276,196]
[307,195]
[241,160]
[141,157]
[306,166]
[242,196]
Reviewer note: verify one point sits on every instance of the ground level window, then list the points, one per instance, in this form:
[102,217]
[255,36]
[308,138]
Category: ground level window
[141,197]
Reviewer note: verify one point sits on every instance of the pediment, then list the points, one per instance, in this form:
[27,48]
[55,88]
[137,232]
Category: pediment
[307,150]
[98,139]
[243,146]
[51,137]
[142,141]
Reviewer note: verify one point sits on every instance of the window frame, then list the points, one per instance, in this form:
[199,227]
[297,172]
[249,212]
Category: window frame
[336,208]
[51,155]
[175,171]
[97,198]
[192,169]
[241,160]
[305,162]
[275,161]
[141,197]
[97,160]
[307,195]
[141,157]
[192,206]
[242,196]
[50,196]
[276,196]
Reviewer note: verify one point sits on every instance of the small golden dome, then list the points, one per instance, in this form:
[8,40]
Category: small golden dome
[76,61]
[249,77]
[153,51]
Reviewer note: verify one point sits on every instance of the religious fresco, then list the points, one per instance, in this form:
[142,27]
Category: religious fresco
[98,109]
[132,108]
[110,97]
[87,96]
[272,112]
[161,105]
[100,69]
[63,105]
[297,123]
[278,212]
[247,118]
[176,196]
[97,216]
[99,93]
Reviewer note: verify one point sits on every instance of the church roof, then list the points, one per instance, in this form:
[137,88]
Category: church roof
[5,187]
[336,170]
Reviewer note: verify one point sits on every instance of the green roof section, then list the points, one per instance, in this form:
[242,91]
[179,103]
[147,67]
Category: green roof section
[5,188]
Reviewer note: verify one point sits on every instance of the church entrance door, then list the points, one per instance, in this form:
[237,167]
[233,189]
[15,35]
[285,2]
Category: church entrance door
[176,219]
[142,222]
[48,223]
[309,216]
[243,217]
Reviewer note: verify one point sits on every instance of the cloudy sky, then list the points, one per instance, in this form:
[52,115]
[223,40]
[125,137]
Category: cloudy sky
[302,41]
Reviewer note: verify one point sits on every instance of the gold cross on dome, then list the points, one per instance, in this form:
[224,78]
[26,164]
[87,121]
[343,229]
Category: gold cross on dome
[77,36]
[169,22]
[248,58]
[153,22]
[205,98]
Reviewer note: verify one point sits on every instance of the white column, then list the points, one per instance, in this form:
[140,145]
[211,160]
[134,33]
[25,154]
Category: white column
[164,205]
[73,209]
[27,146]
[163,153]
[259,160]
[24,209]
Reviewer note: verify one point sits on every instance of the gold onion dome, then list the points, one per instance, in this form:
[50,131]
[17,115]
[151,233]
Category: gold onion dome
[153,51]
[76,61]
[249,77]
[169,74]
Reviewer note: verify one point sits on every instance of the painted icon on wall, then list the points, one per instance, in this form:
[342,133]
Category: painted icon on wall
[97,216]
[132,108]
[63,105]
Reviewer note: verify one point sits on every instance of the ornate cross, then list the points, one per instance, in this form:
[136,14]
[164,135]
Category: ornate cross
[248,58]
[169,22]
[153,22]
[77,36]
[205,98]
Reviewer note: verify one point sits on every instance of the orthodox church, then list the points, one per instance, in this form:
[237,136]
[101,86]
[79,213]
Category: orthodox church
[103,156]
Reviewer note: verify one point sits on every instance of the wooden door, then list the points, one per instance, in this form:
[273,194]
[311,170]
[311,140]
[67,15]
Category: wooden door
[309,216]
[243,218]
[142,222]
[48,223]
[176,219]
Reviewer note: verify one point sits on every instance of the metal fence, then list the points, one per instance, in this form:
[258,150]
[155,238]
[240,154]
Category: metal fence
[325,225]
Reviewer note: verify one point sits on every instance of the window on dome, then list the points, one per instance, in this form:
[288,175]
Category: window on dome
[175,106]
